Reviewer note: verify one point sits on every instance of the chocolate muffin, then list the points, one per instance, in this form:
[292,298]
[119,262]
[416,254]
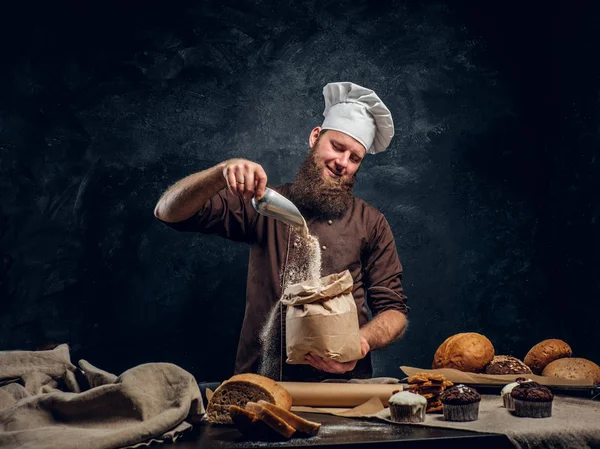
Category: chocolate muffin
[506,364]
[532,400]
[460,403]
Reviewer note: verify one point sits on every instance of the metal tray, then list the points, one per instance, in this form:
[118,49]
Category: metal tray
[585,391]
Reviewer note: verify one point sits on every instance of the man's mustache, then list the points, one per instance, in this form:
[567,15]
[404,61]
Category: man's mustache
[334,171]
[343,180]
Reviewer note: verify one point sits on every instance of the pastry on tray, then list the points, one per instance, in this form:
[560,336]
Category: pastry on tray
[573,368]
[506,364]
[469,352]
[545,352]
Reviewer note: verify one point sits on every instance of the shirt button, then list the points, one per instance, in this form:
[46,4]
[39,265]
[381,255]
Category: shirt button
[323,247]
[329,222]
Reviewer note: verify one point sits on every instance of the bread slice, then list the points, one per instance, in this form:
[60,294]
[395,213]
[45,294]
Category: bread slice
[250,425]
[241,389]
[271,420]
[244,420]
[300,424]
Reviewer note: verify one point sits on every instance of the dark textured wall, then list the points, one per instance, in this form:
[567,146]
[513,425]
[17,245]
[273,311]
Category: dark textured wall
[490,186]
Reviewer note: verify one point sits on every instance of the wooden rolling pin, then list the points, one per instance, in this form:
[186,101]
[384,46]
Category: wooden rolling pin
[328,394]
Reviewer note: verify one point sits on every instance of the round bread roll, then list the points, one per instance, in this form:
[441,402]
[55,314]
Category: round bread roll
[573,368]
[545,352]
[506,364]
[469,352]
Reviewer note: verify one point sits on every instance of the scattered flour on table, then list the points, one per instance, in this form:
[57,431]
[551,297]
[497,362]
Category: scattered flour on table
[353,426]
[332,433]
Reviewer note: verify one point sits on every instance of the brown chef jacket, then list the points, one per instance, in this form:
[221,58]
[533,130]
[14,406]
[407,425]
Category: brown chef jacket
[360,241]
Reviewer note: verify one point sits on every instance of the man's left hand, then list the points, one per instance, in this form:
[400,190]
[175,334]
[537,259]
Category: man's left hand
[331,366]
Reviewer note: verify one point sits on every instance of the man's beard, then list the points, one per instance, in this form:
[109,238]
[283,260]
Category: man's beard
[317,197]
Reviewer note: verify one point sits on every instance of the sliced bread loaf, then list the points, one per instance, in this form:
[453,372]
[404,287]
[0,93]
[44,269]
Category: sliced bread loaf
[241,389]
[267,422]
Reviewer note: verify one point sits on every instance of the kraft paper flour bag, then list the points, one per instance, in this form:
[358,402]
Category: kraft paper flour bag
[322,318]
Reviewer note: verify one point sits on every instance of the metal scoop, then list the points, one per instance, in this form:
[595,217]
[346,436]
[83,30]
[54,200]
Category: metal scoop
[277,206]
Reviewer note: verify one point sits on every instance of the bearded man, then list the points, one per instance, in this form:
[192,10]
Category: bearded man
[354,235]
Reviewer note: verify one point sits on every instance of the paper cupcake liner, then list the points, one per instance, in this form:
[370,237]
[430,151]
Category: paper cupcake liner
[463,412]
[509,402]
[407,413]
[529,409]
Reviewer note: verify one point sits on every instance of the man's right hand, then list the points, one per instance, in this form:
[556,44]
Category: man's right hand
[245,178]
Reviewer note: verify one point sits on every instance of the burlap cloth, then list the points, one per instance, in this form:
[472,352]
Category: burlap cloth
[47,403]
[575,424]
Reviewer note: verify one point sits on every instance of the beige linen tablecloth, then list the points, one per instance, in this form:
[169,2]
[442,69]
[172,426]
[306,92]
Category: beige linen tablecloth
[575,424]
[44,405]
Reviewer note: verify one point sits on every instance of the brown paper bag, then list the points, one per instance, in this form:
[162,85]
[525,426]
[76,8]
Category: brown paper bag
[322,319]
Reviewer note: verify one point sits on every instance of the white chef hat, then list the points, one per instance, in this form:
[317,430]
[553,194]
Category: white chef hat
[360,113]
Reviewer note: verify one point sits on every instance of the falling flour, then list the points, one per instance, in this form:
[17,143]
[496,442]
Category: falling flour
[304,265]
[305,260]
[270,355]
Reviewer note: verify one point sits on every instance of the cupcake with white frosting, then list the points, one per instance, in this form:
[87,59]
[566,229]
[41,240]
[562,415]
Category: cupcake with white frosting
[408,407]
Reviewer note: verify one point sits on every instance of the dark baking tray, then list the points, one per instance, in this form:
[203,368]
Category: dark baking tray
[583,391]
